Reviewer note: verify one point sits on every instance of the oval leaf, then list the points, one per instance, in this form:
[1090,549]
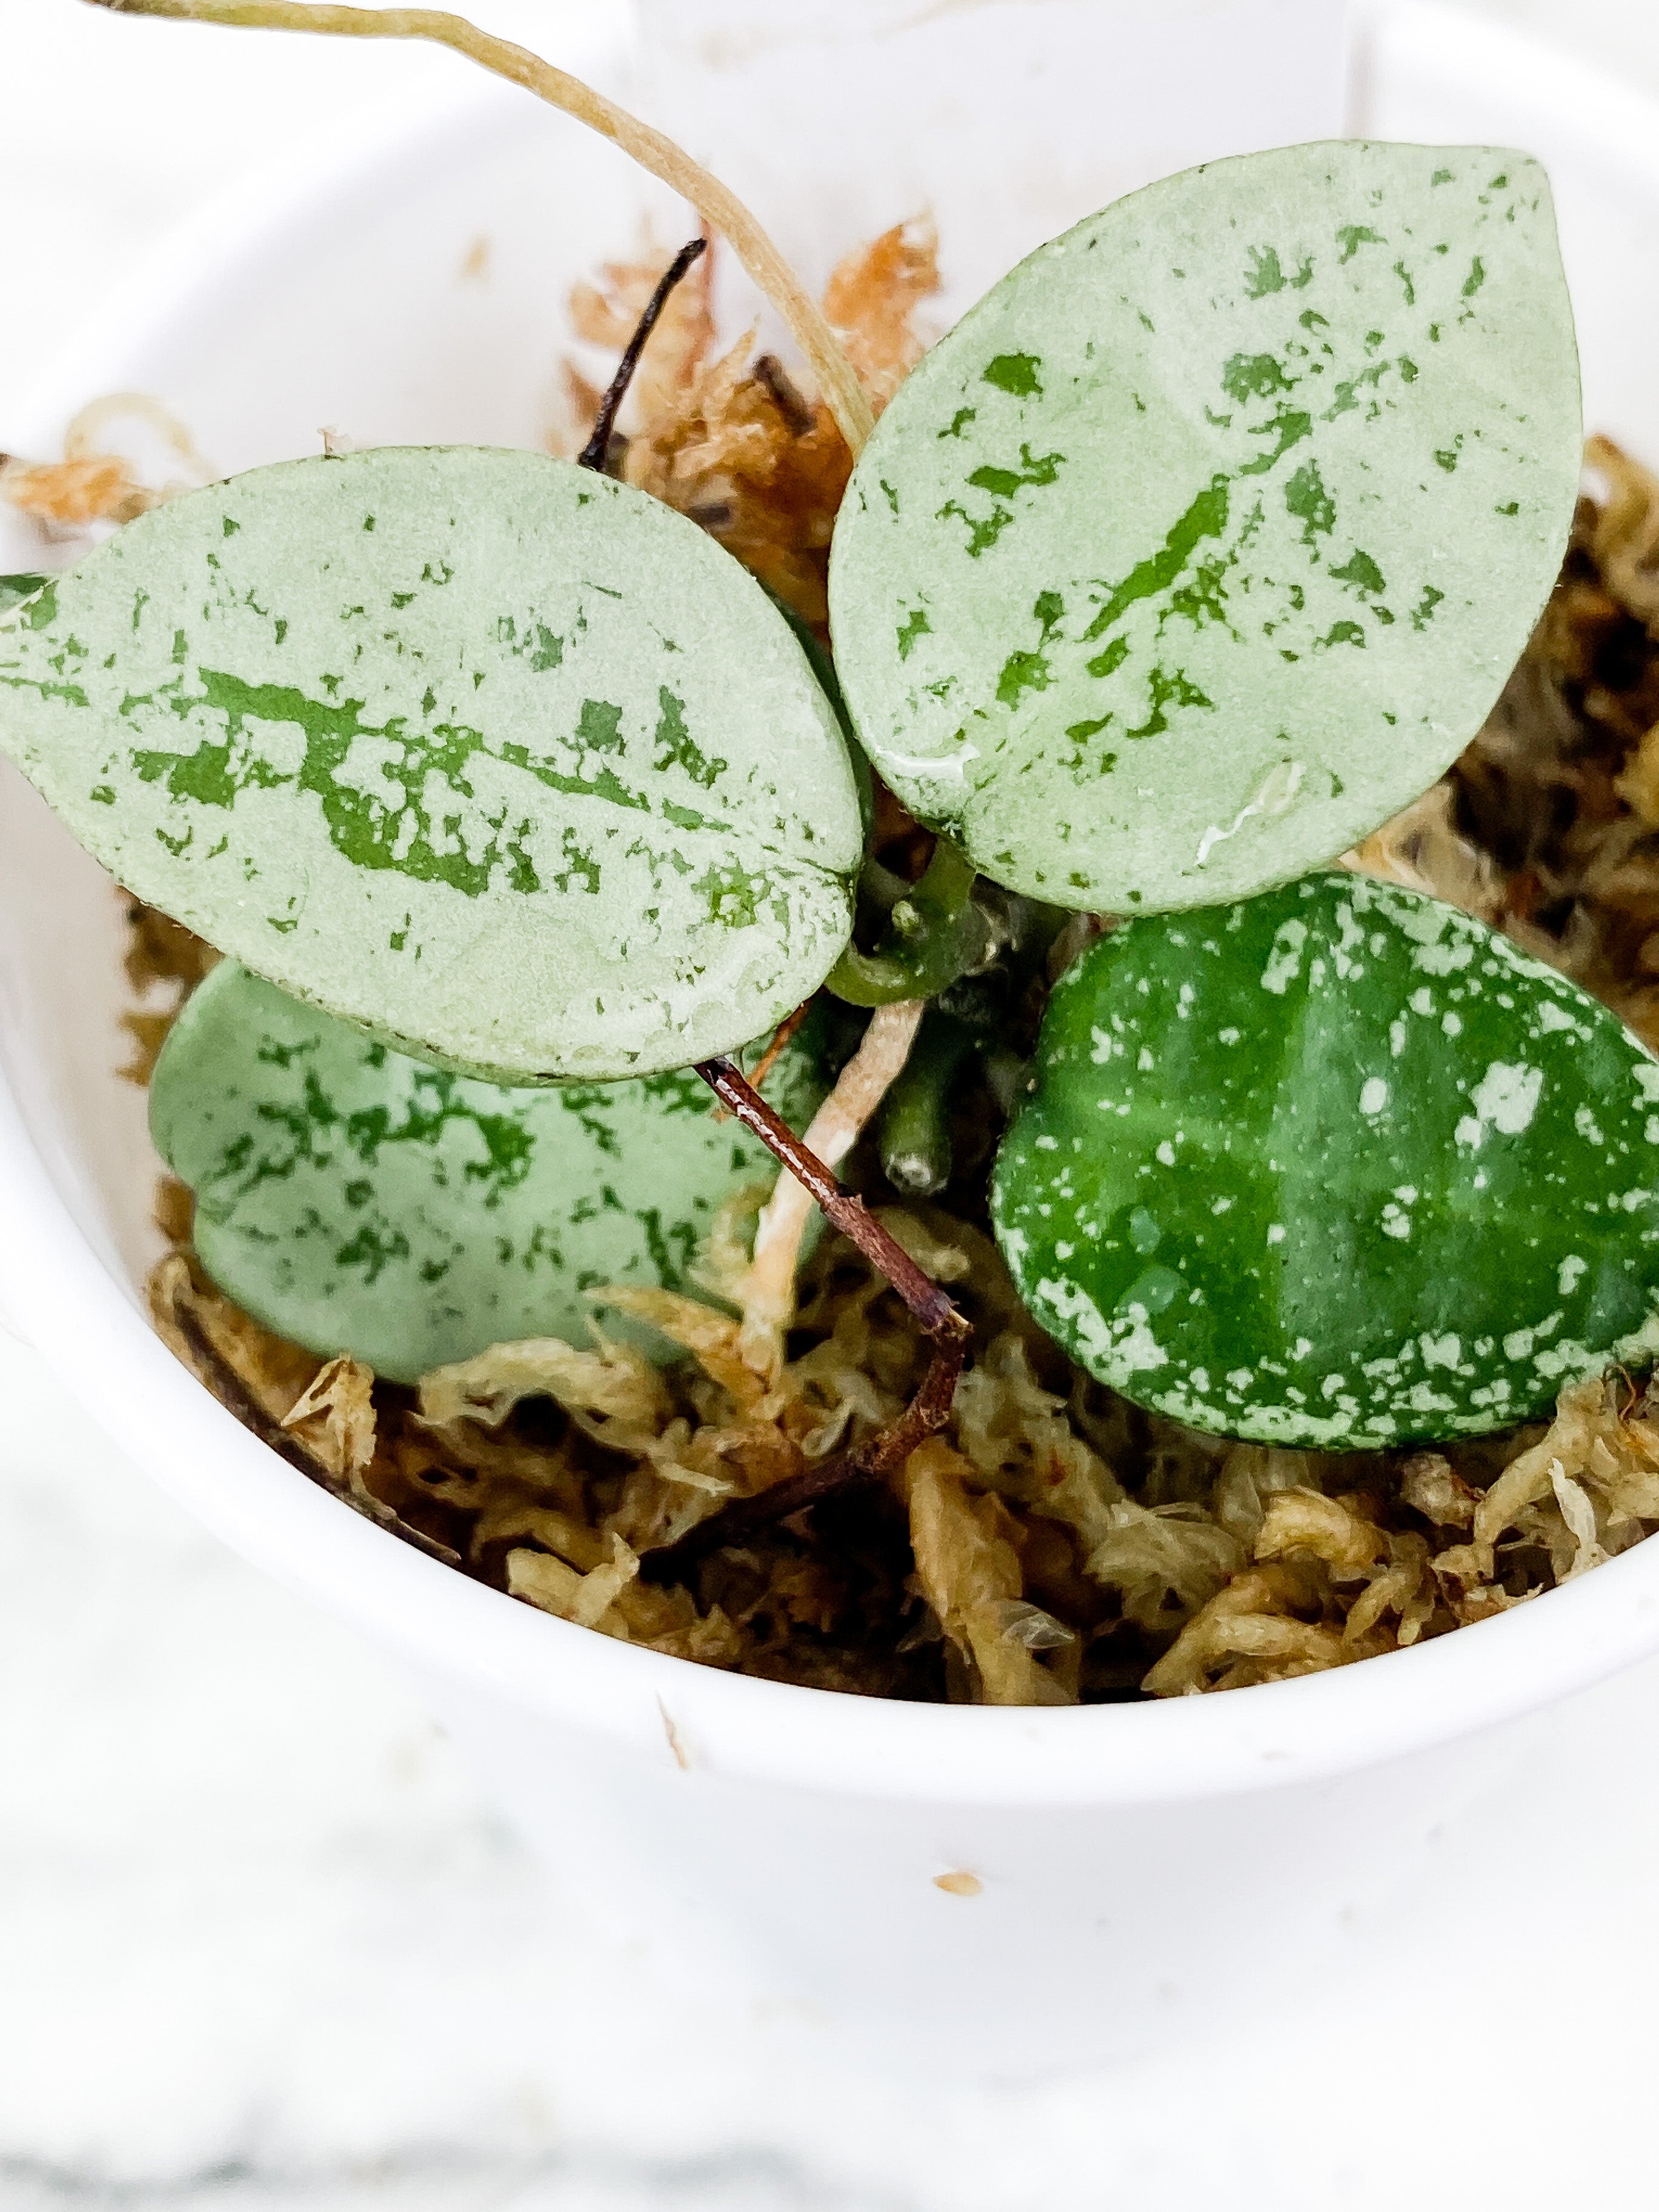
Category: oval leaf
[1339,1167]
[489,754]
[354,1200]
[1209,537]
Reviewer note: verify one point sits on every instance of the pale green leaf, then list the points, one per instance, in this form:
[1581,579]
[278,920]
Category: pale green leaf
[1209,537]
[1339,1167]
[491,755]
[355,1200]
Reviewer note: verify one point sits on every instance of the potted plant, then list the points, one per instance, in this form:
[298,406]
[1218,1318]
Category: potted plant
[1029,640]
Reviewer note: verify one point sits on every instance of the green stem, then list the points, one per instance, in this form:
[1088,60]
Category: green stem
[935,934]
[916,1121]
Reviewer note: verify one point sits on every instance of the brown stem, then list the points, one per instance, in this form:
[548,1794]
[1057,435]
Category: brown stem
[786,1031]
[875,1458]
[927,1411]
[770,375]
[768,1295]
[784,1034]
[597,452]
[840,1206]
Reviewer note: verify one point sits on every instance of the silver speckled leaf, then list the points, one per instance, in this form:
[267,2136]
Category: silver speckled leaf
[494,757]
[356,1200]
[1209,537]
[1338,1167]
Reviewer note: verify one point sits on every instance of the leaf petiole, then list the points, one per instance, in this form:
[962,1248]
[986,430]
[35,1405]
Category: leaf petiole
[935,934]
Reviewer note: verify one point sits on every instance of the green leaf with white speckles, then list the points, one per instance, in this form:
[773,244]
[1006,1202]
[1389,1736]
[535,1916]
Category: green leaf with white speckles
[1339,1167]
[357,1200]
[1207,539]
[494,757]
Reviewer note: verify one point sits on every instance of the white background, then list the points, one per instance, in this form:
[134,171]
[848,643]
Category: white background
[262,1943]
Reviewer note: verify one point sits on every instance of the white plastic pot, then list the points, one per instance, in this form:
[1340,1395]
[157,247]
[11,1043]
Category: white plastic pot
[1127,1857]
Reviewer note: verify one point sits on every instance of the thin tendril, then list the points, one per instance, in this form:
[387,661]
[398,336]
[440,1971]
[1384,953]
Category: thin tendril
[721,209]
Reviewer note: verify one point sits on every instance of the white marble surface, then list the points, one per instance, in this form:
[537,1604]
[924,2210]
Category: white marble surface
[264,1944]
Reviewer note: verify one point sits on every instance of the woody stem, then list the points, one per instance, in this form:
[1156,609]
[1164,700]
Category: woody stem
[841,1208]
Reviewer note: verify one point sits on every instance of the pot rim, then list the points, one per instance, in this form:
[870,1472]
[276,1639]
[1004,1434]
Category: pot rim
[670,1710]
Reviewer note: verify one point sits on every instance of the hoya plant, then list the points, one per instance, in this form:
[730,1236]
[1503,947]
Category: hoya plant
[1198,549]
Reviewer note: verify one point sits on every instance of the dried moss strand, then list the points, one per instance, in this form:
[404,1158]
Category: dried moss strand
[719,208]
[596,452]
[236,1397]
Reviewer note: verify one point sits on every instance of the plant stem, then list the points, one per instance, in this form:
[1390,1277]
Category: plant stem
[915,1115]
[597,452]
[927,1411]
[768,1297]
[768,372]
[719,208]
[784,1034]
[935,934]
[876,1457]
[841,1207]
